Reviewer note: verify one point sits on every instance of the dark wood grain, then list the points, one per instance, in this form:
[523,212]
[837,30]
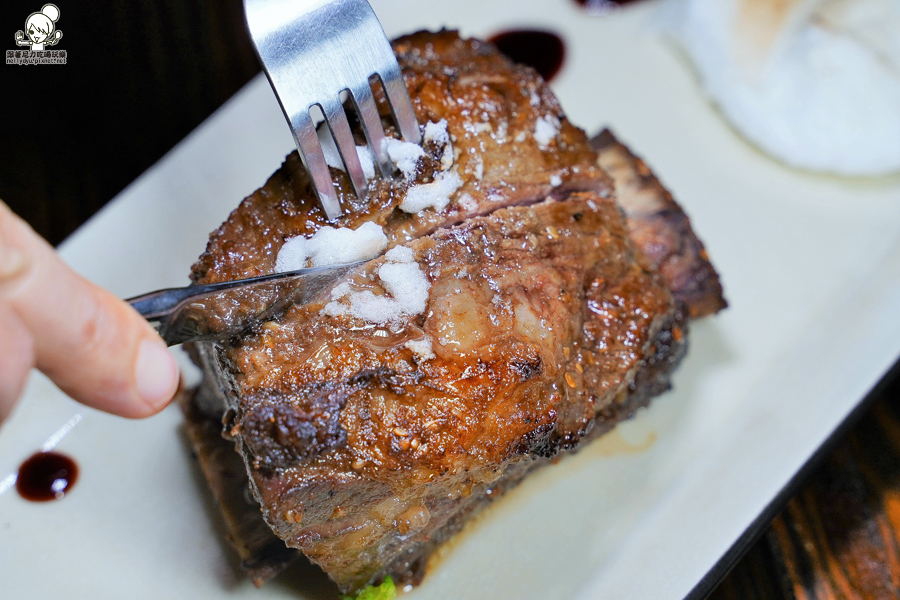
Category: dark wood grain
[839,536]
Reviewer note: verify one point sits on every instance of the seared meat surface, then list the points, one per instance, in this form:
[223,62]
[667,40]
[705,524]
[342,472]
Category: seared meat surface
[493,108]
[372,427]
[660,228]
[363,446]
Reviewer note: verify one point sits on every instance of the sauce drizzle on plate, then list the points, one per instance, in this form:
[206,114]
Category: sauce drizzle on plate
[46,476]
[601,8]
[544,51]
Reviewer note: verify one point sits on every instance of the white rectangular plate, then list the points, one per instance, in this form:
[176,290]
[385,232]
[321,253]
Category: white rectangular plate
[810,265]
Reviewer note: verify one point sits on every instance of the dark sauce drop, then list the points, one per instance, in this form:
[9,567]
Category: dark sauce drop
[46,476]
[542,50]
[602,7]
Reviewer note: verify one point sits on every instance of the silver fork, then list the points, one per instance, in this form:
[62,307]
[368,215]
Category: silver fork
[312,52]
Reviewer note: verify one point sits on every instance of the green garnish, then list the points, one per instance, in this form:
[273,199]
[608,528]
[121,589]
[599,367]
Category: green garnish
[385,591]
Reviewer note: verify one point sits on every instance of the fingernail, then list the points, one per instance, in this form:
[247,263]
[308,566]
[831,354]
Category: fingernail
[156,375]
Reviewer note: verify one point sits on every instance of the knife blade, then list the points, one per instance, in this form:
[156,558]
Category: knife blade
[220,311]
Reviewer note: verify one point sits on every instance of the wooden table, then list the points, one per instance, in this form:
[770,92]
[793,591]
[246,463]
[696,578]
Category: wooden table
[72,136]
[839,535]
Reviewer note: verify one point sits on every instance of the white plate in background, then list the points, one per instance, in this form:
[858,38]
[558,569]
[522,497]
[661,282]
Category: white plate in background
[810,266]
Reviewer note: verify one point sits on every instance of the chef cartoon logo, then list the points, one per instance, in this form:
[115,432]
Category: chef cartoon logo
[40,33]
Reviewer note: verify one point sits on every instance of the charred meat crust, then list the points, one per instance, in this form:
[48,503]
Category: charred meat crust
[410,565]
[495,276]
[262,554]
[279,434]
[542,319]
[546,327]
[660,228]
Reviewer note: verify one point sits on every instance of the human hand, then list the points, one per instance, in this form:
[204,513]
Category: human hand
[95,347]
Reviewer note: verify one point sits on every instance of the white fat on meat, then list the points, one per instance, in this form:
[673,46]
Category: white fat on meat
[407,290]
[331,246]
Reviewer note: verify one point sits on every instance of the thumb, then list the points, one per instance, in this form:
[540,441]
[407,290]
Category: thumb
[95,347]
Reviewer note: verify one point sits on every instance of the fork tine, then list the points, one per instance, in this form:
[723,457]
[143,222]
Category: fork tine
[401,105]
[371,123]
[314,159]
[346,145]
[311,51]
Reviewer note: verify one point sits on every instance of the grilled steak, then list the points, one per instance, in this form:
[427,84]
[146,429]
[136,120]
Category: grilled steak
[363,447]
[375,421]
[660,228]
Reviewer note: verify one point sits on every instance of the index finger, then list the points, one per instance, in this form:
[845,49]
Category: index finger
[95,347]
